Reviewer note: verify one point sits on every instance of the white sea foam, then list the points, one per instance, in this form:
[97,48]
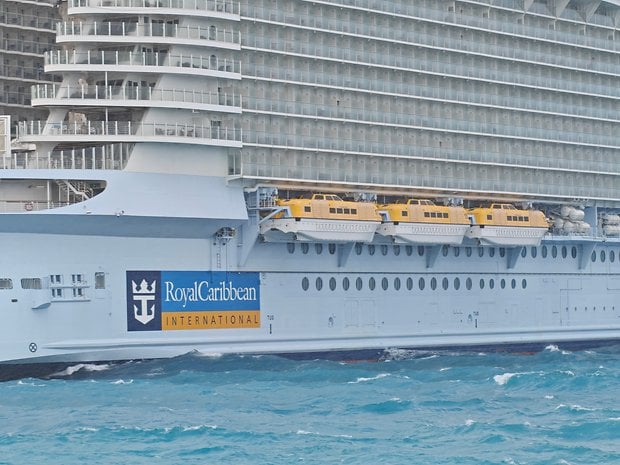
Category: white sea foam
[470,422]
[122,381]
[83,366]
[363,380]
[504,378]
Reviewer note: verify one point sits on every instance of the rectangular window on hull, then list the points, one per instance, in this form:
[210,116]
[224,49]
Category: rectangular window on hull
[6,283]
[31,283]
[99,280]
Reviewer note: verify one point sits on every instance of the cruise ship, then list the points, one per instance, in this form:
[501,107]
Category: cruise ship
[315,178]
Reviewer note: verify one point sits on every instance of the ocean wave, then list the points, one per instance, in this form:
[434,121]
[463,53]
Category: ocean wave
[89,367]
[373,378]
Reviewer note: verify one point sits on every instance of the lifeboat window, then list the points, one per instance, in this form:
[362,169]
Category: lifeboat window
[573,252]
[502,284]
[319,197]
[318,283]
[414,202]
[409,284]
[290,247]
[31,283]
[489,217]
[358,248]
[445,283]
[496,206]
[481,283]
[371,283]
[332,284]
[433,284]
[433,214]
[526,218]
[468,284]
[332,210]
[318,248]
[427,215]
[347,211]
[359,284]
[6,283]
[371,249]
[304,248]
[405,213]
[397,250]
[339,210]
[345,283]
[354,211]
[308,209]
[421,284]
[332,249]
[99,280]
[384,284]
[397,283]
[509,218]
[305,284]
[445,215]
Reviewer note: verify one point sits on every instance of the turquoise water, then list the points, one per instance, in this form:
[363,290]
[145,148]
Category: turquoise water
[552,407]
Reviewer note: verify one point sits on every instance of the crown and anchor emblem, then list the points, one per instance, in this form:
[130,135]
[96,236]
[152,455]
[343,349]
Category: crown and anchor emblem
[144,293]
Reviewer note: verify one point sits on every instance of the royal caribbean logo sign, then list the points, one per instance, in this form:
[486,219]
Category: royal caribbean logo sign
[181,300]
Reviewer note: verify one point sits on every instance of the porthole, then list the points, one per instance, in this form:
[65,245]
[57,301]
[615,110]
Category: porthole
[481,283]
[332,249]
[433,284]
[384,284]
[371,283]
[445,284]
[421,284]
[491,283]
[602,256]
[523,252]
[554,252]
[304,247]
[332,284]
[318,248]
[397,284]
[444,250]
[492,252]
[359,284]
[457,283]
[513,283]
[468,284]
[397,250]
[318,283]
[384,249]
[564,251]
[371,249]
[534,252]
[502,252]
[593,256]
[523,283]
[305,284]
[480,251]
[457,251]
[612,256]
[502,283]
[408,250]
[409,284]
[573,252]
[544,251]
[468,251]
[421,250]
[345,283]
[358,248]
[290,246]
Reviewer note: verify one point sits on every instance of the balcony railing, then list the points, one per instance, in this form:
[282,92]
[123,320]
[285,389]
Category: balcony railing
[109,157]
[134,29]
[118,58]
[219,6]
[139,94]
[89,128]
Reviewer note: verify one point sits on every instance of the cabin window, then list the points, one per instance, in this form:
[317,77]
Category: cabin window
[410,284]
[573,252]
[318,283]
[332,249]
[290,246]
[445,284]
[305,284]
[421,284]
[31,283]
[6,283]
[502,283]
[384,284]
[457,283]
[100,278]
[332,284]
[468,284]
[534,252]
[345,283]
[397,283]
[433,284]
[56,279]
[358,284]
[318,248]
[384,249]
[308,209]
[564,251]
[371,250]
[397,250]
[358,248]
[513,283]
[491,283]
[481,283]
[371,283]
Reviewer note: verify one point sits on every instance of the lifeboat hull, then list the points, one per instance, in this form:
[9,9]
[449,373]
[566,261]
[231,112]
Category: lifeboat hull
[506,235]
[318,230]
[424,233]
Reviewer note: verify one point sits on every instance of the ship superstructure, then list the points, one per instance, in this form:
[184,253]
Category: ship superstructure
[293,176]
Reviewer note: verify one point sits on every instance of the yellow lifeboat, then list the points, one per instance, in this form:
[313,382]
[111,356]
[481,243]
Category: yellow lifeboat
[423,222]
[322,218]
[505,225]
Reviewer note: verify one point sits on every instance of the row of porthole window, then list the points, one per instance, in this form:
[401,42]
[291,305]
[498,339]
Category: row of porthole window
[396,284]
[553,251]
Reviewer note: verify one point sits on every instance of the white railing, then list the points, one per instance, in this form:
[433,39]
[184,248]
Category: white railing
[19,206]
[129,58]
[110,157]
[219,6]
[133,29]
[128,128]
[140,93]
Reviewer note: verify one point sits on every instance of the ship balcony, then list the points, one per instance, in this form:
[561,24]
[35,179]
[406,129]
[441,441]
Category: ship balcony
[129,96]
[225,9]
[131,32]
[58,61]
[106,157]
[127,131]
